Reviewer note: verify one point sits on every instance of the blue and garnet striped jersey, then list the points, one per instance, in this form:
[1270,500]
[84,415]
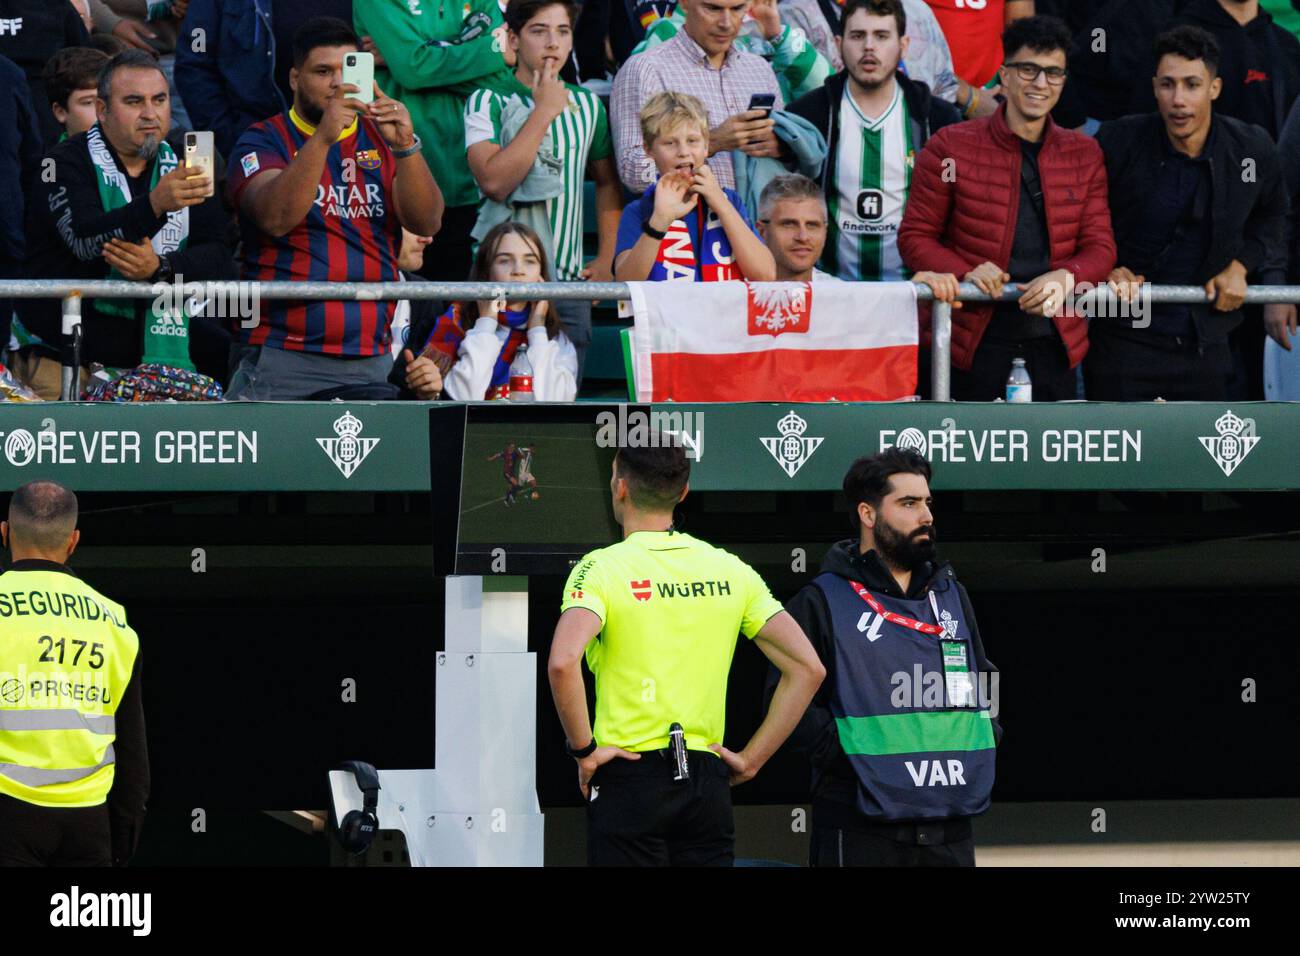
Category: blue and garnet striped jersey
[350,235]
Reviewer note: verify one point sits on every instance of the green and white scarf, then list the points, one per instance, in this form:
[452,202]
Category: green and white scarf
[166,334]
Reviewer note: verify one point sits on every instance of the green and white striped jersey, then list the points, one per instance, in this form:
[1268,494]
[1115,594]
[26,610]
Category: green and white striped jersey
[579,135]
[873,172]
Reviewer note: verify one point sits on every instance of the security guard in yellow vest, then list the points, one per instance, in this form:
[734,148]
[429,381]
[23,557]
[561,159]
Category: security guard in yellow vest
[74,771]
[657,616]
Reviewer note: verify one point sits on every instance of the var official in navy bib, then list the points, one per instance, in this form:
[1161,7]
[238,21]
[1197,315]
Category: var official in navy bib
[902,734]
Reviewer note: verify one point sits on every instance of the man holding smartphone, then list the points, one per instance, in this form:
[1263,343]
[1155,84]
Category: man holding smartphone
[703,62]
[119,205]
[323,192]
[799,66]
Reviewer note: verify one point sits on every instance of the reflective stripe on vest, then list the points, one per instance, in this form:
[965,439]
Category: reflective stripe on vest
[915,757]
[34,777]
[67,657]
[61,719]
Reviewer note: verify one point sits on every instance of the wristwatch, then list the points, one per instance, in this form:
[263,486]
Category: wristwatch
[164,271]
[408,151]
[651,231]
[586,751]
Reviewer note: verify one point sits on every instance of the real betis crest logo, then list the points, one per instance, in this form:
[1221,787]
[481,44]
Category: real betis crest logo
[348,450]
[792,449]
[1233,443]
[949,625]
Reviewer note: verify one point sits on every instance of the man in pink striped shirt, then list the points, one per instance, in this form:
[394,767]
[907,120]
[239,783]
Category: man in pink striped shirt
[699,60]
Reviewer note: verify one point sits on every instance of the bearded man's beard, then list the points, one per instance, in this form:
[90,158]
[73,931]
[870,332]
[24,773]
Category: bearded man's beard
[904,551]
[149,148]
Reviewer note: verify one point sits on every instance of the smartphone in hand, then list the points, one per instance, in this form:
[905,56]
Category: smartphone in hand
[359,70]
[763,101]
[199,152]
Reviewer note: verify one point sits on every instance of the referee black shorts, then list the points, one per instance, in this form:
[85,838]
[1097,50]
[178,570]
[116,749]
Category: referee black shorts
[638,815]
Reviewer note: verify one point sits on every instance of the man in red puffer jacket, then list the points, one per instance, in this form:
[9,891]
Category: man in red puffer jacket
[1013,197]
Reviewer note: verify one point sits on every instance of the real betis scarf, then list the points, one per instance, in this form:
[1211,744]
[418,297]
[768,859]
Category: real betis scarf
[166,334]
[677,258]
[446,337]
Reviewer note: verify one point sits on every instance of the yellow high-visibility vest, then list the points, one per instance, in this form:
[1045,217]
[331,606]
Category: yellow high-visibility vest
[66,656]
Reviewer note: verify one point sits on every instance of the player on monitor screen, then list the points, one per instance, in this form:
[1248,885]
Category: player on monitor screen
[516,465]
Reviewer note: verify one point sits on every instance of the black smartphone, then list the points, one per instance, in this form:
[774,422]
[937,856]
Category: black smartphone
[763,101]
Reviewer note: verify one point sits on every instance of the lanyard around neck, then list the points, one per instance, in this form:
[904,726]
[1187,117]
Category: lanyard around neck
[890,616]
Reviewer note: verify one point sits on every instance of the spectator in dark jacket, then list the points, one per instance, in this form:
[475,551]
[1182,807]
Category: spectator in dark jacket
[227,80]
[32,31]
[1281,323]
[1185,214]
[1112,46]
[861,107]
[111,208]
[20,157]
[1013,197]
[1259,62]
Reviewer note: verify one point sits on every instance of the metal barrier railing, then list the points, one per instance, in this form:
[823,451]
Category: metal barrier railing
[1104,301]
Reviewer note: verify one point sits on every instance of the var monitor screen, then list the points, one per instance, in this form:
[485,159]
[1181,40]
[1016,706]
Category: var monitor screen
[531,494]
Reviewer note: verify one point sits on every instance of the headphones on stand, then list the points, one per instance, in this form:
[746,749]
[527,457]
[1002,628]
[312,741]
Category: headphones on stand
[358,827]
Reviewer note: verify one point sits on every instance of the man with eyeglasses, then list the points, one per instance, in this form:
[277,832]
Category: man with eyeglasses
[1013,198]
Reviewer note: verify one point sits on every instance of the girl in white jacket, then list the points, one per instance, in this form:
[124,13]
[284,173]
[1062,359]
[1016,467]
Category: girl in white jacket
[486,335]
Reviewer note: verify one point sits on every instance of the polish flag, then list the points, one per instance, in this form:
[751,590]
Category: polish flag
[774,341]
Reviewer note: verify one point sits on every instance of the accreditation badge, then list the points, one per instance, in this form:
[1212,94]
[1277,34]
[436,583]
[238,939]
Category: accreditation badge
[956,668]
[956,674]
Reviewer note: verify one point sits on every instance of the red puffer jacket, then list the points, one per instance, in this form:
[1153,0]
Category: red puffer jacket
[962,207]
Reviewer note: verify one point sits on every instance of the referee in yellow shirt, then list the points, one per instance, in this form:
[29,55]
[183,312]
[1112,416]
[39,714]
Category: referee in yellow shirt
[657,616]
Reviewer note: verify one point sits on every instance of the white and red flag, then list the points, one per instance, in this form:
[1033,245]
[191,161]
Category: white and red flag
[774,341]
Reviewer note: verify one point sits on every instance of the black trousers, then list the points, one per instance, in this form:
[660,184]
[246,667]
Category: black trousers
[1133,368]
[942,843]
[53,836]
[1246,343]
[1045,359]
[638,815]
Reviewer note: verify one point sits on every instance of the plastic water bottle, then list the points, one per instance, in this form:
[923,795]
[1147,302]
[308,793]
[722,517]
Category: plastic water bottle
[521,377]
[1019,387]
